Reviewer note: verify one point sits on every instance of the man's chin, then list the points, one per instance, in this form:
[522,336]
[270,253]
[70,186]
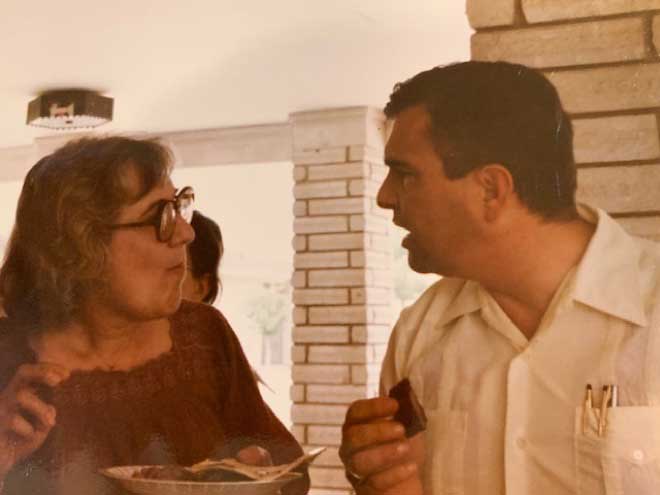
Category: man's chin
[419,264]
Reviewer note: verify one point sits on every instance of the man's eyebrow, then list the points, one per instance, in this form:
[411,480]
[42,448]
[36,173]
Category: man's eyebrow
[396,164]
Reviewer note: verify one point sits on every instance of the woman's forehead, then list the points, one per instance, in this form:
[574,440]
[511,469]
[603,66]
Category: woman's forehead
[164,190]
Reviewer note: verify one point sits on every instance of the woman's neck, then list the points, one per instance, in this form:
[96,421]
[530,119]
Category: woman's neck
[87,344]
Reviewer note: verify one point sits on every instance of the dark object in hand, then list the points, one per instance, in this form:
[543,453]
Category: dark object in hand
[411,413]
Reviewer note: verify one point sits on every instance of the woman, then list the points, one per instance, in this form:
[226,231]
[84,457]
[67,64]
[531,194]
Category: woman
[204,254]
[101,363]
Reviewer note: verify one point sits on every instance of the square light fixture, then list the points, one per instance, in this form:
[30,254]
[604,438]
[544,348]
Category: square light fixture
[69,109]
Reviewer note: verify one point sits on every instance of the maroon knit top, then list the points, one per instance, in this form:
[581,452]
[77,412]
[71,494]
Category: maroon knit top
[196,401]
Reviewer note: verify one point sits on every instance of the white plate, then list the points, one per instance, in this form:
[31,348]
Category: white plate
[142,486]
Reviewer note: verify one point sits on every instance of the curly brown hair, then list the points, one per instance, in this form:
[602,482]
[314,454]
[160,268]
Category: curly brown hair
[56,254]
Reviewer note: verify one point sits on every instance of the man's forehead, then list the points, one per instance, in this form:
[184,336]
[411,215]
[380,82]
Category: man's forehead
[409,127]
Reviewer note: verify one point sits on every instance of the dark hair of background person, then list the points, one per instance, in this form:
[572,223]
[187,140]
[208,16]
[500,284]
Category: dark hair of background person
[205,253]
[57,251]
[496,112]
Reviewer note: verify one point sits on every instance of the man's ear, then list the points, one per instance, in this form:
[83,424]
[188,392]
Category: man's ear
[497,188]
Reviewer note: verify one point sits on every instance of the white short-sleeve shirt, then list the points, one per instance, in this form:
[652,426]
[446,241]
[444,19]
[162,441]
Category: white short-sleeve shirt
[506,415]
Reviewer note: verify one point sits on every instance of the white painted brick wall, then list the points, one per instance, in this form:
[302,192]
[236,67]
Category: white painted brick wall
[366,373]
[328,259]
[489,13]
[299,279]
[371,333]
[320,296]
[320,156]
[329,189]
[621,189]
[337,278]
[314,415]
[336,206]
[314,373]
[648,227]
[299,243]
[299,315]
[338,171]
[325,435]
[621,138]
[327,334]
[328,315]
[348,354]
[604,89]
[364,187]
[320,225]
[552,10]
[336,241]
[298,353]
[329,458]
[369,223]
[300,208]
[335,394]
[338,154]
[555,46]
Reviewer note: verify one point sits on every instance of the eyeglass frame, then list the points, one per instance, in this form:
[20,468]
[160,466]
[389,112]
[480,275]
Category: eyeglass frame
[156,220]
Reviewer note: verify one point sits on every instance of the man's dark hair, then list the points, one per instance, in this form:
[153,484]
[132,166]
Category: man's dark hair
[497,112]
[206,252]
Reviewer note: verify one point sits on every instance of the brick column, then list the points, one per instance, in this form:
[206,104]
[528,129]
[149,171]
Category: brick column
[342,279]
[603,58]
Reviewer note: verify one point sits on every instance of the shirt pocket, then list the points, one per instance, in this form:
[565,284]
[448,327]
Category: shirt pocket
[626,459]
[445,447]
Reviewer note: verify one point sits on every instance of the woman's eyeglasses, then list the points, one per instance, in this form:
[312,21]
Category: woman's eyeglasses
[165,217]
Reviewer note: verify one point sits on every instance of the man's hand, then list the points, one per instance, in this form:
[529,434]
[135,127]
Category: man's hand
[25,419]
[376,452]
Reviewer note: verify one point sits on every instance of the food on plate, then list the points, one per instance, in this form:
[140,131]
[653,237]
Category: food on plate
[179,473]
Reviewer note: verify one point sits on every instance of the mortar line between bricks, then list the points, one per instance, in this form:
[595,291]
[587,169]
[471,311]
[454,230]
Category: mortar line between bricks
[566,22]
[614,113]
[629,163]
[636,214]
[601,65]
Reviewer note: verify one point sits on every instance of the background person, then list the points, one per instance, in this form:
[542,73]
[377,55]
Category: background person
[101,363]
[202,283]
[540,298]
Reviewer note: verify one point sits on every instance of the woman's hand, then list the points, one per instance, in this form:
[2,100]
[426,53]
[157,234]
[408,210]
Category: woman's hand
[255,456]
[25,419]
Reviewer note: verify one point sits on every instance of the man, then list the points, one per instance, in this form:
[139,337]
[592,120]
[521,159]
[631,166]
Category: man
[540,298]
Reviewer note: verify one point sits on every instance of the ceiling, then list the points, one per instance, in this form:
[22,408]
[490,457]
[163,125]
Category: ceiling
[174,64]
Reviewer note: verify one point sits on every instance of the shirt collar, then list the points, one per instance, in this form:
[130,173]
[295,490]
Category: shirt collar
[466,300]
[607,278]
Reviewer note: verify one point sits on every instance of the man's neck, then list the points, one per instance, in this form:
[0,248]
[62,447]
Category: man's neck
[531,267]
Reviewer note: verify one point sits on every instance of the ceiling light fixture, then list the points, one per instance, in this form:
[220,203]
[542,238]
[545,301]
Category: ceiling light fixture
[69,109]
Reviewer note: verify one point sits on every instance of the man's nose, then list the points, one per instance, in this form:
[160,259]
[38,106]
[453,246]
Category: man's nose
[386,197]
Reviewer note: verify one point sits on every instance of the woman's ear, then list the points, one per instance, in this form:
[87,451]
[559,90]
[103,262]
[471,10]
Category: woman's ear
[497,188]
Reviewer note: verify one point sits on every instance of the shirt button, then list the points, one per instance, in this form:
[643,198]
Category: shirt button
[521,443]
[638,455]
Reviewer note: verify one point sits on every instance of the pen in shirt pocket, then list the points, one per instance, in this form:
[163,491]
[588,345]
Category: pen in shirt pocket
[609,399]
